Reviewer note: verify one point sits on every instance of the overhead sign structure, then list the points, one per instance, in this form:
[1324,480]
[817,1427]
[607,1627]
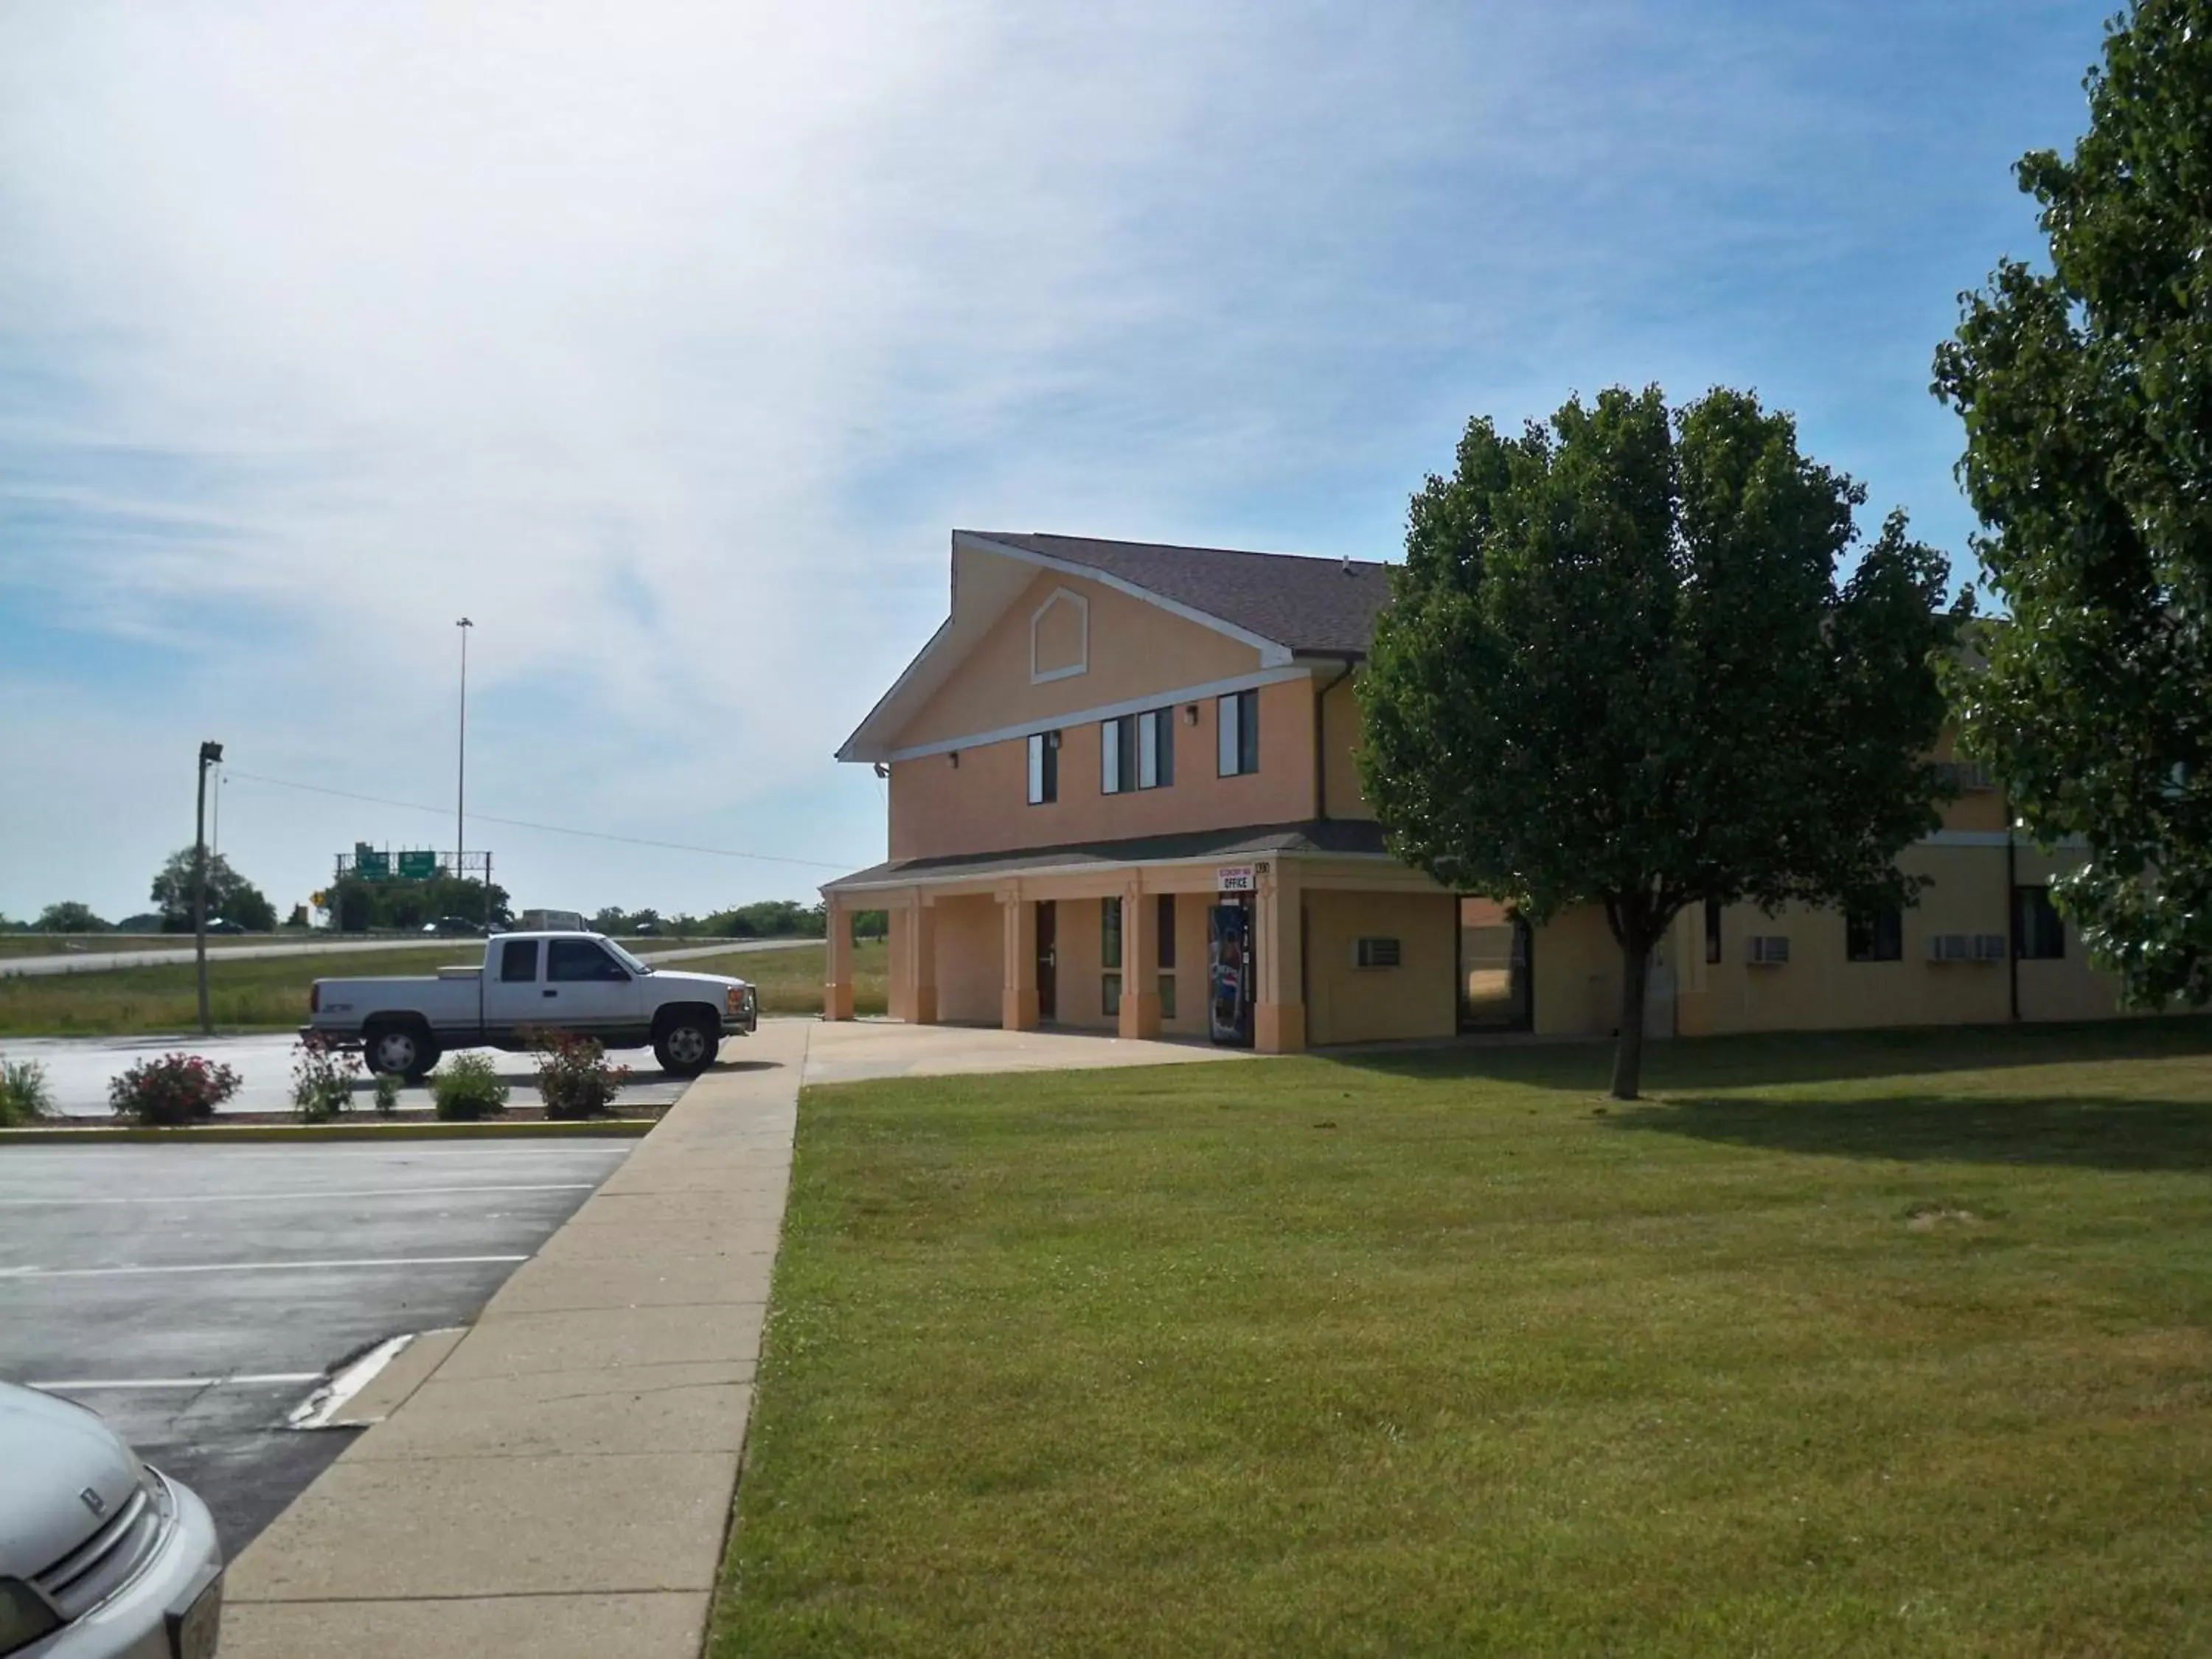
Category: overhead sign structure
[1233,878]
[370,865]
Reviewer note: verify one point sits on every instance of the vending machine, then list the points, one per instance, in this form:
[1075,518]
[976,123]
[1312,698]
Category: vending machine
[1229,976]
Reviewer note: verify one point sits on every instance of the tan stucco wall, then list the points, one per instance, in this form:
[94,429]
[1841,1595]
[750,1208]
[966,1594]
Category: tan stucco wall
[1347,1004]
[969,975]
[1342,724]
[981,804]
[1135,649]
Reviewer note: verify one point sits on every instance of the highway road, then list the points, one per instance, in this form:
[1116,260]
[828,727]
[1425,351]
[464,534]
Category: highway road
[94,962]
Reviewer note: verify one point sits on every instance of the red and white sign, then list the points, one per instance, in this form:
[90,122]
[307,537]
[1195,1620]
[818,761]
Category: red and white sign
[1233,878]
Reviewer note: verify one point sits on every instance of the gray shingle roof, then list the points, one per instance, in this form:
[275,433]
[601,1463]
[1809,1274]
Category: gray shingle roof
[1306,604]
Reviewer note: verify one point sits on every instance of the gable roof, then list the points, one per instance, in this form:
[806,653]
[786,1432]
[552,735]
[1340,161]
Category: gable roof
[1300,602]
[1285,604]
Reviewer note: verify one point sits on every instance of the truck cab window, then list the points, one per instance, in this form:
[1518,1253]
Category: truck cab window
[517,962]
[569,960]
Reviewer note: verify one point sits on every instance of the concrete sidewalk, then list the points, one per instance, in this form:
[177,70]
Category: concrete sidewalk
[561,1484]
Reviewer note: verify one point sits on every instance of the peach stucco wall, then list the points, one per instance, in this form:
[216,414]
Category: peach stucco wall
[1134,650]
[981,804]
[1345,1003]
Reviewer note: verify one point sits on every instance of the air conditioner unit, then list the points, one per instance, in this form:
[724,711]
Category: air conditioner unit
[1769,950]
[1950,947]
[1990,947]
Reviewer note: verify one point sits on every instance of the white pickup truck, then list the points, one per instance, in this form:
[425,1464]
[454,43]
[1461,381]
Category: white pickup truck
[530,984]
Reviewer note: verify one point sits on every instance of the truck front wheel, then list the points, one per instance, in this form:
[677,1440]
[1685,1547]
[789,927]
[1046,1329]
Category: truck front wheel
[402,1051]
[688,1043]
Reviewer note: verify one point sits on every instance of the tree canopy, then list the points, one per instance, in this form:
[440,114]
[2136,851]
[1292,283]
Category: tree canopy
[70,916]
[1620,668]
[229,895]
[2087,394]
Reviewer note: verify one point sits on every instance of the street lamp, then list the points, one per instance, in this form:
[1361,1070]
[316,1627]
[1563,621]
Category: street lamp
[210,754]
[461,782]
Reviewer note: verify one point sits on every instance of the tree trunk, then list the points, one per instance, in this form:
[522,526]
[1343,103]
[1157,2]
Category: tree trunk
[1628,1048]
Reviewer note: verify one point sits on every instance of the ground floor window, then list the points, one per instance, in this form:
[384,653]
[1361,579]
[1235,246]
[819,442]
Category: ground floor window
[1875,935]
[1109,955]
[2038,934]
[1496,959]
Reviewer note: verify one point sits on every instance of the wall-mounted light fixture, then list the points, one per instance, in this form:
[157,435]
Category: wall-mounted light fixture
[882,770]
[953,755]
[1191,713]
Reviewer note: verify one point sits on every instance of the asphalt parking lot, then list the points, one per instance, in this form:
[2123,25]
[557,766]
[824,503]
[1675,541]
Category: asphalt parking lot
[78,1070]
[195,1295]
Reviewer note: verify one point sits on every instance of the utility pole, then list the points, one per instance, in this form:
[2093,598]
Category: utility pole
[210,754]
[461,781]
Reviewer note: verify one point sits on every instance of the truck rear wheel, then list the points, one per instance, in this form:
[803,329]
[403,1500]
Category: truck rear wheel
[402,1051]
[688,1043]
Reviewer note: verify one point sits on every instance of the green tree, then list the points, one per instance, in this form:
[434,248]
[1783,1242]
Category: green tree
[1619,669]
[69,917]
[2087,394]
[358,906]
[230,896]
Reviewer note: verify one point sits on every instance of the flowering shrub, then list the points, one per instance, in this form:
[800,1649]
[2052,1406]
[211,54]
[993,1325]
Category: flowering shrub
[468,1087]
[574,1078]
[322,1080]
[387,1092]
[176,1089]
[24,1095]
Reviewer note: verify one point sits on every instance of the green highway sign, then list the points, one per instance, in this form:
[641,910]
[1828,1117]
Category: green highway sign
[417,867]
[372,867]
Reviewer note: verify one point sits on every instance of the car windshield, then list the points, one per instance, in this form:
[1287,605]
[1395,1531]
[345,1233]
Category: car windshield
[625,958]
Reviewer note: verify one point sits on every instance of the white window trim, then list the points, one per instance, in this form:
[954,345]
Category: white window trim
[1075,717]
[1082,663]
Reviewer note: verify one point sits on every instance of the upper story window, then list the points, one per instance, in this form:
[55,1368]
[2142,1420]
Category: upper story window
[1137,751]
[1237,731]
[1044,767]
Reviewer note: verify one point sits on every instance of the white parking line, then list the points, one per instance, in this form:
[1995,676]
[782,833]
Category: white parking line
[87,1383]
[11,1274]
[274,1198]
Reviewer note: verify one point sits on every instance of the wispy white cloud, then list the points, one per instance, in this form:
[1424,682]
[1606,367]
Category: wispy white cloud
[666,340]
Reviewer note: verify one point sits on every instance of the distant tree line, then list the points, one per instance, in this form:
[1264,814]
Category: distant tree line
[764,918]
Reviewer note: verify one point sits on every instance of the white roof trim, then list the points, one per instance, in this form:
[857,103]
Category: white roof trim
[1105,711]
[1273,652]
[948,878]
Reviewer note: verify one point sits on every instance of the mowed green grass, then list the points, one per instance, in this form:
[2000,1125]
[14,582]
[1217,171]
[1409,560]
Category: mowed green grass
[1885,1344]
[788,979]
[263,993]
[271,994]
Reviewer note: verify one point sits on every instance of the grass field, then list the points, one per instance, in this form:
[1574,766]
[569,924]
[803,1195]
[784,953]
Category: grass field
[271,994]
[1884,1344]
[54,945]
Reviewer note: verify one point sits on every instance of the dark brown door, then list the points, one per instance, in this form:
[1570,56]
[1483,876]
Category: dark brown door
[1048,931]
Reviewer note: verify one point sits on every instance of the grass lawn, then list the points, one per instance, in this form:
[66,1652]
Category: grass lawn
[271,994]
[789,978]
[263,993]
[54,945]
[1879,1344]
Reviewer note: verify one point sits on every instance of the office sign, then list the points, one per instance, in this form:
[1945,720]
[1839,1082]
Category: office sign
[1233,878]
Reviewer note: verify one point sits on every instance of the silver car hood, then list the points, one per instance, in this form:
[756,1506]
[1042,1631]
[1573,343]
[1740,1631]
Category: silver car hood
[54,1452]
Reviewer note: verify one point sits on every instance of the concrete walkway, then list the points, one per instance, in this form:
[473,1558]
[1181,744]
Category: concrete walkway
[851,1050]
[559,1485]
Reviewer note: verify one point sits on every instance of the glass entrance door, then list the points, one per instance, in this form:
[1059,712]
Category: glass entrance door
[1229,977]
[1497,957]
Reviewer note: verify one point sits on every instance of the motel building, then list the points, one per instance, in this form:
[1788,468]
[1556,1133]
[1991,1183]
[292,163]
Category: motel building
[1124,798]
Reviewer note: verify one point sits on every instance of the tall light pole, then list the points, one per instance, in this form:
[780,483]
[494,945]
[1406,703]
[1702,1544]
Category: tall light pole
[461,782]
[210,754]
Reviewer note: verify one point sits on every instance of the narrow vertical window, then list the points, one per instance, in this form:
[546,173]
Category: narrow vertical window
[1148,752]
[2038,934]
[1044,767]
[1110,758]
[1166,929]
[1712,930]
[1109,955]
[1237,732]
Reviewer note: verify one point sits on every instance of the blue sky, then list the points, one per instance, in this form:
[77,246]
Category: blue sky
[668,341]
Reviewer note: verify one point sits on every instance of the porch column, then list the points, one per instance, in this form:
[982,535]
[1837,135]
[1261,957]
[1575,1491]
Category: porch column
[1279,1013]
[1018,1002]
[1140,974]
[837,959]
[922,967]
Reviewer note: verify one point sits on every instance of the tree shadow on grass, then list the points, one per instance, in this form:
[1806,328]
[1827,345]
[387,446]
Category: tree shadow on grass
[2085,1131]
[1801,1057]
